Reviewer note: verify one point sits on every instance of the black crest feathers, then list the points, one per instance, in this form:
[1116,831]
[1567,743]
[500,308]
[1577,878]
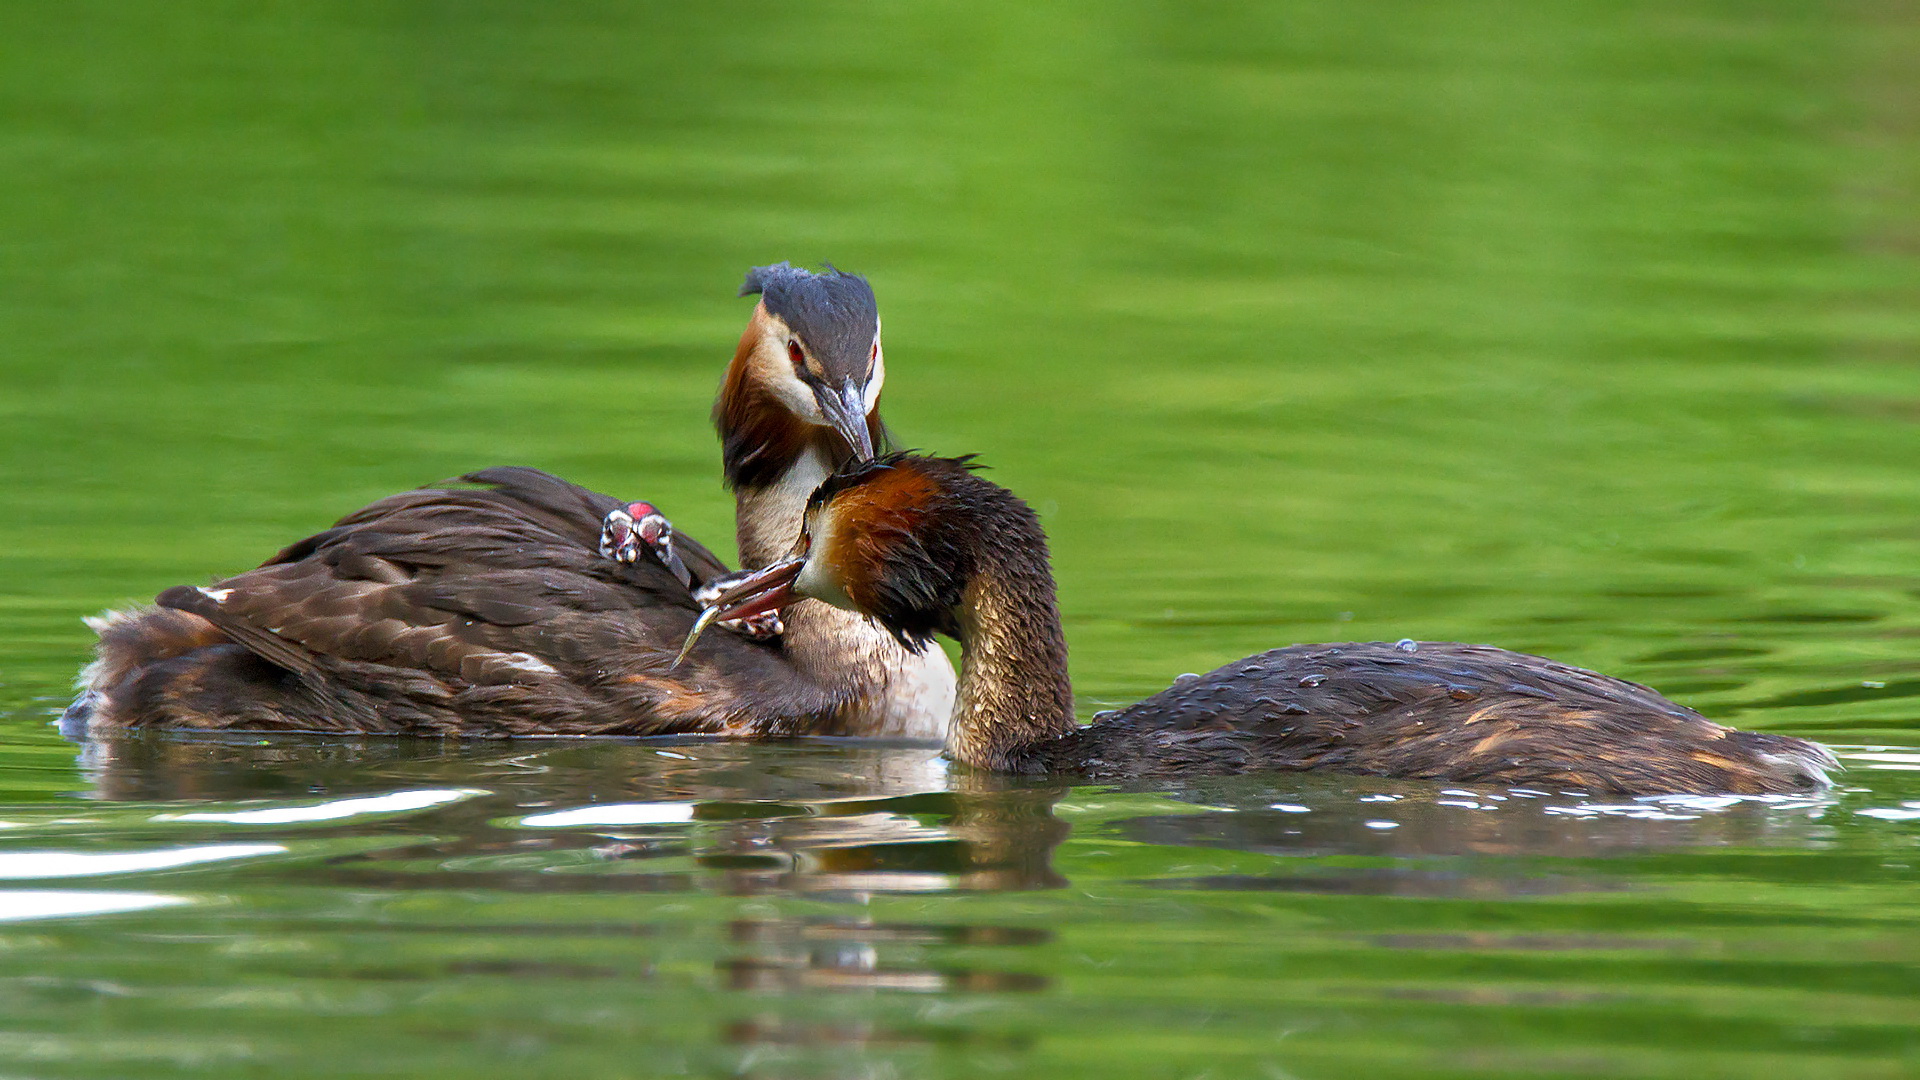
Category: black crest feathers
[834,312]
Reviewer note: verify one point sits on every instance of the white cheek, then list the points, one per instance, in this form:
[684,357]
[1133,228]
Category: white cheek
[816,583]
[871,396]
[796,395]
[814,580]
[776,374]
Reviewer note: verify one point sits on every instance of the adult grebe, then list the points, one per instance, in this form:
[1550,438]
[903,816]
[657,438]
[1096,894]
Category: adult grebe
[926,547]
[492,611]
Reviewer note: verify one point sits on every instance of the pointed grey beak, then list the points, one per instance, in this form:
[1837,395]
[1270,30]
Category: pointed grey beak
[845,407]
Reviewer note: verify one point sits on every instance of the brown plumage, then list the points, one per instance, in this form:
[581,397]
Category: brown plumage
[474,611]
[492,612]
[1438,711]
[925,546]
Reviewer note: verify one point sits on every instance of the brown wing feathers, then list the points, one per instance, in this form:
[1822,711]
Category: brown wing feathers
[457,581]
[256,639]
[474,610]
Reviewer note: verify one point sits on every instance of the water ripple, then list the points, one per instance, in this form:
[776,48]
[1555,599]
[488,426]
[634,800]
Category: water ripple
[23,865]
[399,802]
[17,905]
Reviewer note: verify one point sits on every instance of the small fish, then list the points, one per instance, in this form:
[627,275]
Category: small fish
[707,615]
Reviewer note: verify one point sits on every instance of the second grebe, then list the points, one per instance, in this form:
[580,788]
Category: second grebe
[925,546]
[451,610]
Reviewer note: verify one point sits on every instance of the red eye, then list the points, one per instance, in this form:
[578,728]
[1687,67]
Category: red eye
[876,352]
[794,354]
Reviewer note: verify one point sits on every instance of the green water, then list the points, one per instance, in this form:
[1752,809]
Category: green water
[1587,328]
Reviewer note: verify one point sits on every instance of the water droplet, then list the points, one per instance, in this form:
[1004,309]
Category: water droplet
[1312,680]
[1407,644]
[1188,677]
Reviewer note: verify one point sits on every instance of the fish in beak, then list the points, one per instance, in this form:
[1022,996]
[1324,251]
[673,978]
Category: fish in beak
[764,590]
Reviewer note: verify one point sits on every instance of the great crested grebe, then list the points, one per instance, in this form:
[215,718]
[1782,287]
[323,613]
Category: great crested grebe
[925,546]
[526,605]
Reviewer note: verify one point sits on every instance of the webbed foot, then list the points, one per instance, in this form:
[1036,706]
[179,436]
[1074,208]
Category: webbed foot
[636,528]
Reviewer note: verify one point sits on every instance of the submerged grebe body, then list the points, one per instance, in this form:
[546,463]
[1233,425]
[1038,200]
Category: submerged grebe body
[925,546]
[491,611]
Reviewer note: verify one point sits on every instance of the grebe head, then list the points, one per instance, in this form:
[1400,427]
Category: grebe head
[902,539]
[813,349]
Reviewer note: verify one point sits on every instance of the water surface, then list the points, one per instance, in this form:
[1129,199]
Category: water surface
[1586,329]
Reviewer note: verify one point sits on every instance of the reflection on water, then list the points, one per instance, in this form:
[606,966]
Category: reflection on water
[779,910]
[1426,836]
[232,767]
[844,820]
[1329,815]
[844,954]
[20,904]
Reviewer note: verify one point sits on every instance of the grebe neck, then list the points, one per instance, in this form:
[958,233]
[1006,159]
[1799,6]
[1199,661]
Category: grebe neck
[768,513]
[1014,694]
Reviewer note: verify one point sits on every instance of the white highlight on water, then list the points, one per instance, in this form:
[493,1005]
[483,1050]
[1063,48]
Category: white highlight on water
[613,814]
[397,802]
[21,865]
[17,905]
